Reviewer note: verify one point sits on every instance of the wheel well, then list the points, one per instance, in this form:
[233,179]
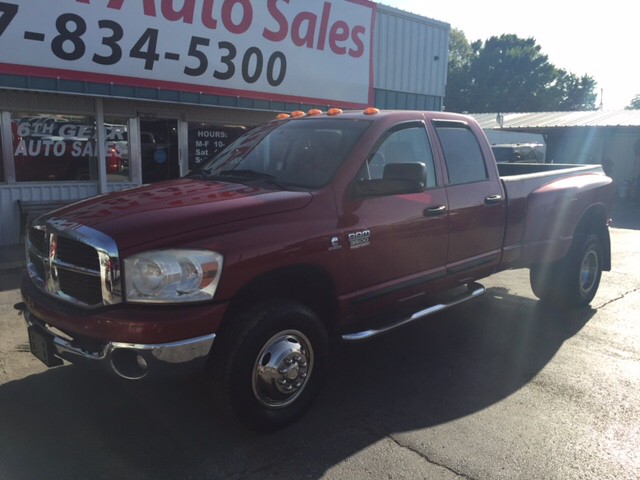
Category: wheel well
[595,221]
[306,284]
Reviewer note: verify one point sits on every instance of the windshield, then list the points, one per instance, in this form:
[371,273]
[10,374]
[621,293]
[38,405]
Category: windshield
[302,153]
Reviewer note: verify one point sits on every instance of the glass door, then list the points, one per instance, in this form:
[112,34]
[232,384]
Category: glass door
[159,149]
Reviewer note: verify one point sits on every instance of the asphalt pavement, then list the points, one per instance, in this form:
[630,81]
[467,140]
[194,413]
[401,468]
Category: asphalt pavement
[11,258]
[498,388]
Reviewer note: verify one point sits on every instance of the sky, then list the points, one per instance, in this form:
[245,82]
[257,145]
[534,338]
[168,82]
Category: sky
[600,39]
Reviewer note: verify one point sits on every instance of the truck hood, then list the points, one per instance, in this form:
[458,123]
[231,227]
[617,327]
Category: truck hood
[152,212]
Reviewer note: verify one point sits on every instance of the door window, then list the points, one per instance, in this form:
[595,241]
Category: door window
[407,145]
[159,149]
[462,154]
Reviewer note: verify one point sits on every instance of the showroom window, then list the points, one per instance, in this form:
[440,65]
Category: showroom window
[54,147]
[207,139]
[117,149]
[1,162]
[49,147]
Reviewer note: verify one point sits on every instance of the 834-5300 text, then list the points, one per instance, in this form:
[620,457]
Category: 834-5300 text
[222,60]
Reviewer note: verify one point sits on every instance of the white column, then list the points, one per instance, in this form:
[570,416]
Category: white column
[183,146]
[7,149]
[135,156]
[101,139]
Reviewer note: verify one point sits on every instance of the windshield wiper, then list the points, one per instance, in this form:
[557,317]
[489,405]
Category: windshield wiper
[251,175]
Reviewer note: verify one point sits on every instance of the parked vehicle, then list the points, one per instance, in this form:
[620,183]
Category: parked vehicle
[326,226]
[518,152]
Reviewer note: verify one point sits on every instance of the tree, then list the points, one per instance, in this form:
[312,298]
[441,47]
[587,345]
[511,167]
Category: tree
[457,92]
[635,103]
[576,93]
[511,74]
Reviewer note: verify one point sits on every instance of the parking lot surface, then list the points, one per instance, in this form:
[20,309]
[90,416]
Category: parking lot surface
[500,387]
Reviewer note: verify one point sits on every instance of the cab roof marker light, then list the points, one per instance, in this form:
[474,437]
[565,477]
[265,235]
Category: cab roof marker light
[371,111]
[313,112]
[282,116]
[297,113]
[334,111]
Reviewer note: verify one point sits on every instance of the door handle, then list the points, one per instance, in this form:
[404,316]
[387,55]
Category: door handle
[435,211]
[493,199]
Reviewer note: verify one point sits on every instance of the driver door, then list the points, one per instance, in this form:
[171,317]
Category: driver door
[397,243]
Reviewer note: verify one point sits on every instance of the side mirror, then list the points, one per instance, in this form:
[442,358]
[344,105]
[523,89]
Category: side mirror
[414,171]
[383,187]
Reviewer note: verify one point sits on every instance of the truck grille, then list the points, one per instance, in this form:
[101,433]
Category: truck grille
[78,253]
[74,263]
[85,288]
[37,238]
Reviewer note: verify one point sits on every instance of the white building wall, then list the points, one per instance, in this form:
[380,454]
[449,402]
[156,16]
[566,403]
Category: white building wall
[55,191]
[410,52]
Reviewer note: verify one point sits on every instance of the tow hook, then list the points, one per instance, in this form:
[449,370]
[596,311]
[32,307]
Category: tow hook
[21,307]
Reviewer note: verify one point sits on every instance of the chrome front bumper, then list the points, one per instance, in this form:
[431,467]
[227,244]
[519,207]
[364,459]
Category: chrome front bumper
[128,360]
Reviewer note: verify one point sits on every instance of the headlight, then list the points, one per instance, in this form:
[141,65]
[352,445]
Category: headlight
[172,276]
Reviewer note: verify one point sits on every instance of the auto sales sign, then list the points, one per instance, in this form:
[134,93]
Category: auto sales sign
[311,51]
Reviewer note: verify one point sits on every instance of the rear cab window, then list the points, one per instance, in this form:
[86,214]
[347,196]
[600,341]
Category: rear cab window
[462,153]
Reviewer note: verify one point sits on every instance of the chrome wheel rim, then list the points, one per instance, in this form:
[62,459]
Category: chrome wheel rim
[282,369]
[588,272]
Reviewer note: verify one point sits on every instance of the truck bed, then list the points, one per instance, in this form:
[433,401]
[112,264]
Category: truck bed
[546,170]
[534,217]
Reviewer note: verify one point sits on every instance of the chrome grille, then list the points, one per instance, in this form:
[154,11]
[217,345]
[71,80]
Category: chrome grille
[39,266]
[83,287]
[74,263]
[37,238]
[78,253]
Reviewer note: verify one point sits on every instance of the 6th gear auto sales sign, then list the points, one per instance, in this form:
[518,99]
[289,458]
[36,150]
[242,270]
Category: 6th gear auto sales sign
[309,51]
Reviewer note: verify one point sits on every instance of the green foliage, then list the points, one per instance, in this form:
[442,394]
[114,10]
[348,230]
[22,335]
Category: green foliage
[511,74]
[460,54]
[635,103]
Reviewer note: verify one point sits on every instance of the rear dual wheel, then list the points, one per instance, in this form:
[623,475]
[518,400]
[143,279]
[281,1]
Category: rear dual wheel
[573,281]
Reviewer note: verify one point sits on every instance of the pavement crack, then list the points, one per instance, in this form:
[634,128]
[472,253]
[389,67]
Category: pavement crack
[426,458]
[619,297]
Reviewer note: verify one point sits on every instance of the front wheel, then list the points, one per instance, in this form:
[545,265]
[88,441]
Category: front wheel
[574,280]
[268,365]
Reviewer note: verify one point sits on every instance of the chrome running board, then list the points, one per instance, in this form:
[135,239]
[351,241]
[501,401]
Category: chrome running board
[474,290]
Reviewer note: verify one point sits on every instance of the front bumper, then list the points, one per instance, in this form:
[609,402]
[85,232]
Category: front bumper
[127,360]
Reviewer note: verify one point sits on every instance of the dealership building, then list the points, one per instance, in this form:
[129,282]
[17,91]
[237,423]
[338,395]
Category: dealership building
[103,95]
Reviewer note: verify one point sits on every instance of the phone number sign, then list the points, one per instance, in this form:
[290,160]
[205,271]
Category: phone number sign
[284,50]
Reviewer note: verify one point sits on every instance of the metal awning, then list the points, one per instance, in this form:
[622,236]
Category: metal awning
[545,122]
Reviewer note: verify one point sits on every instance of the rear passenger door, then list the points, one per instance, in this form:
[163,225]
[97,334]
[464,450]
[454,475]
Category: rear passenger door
[476,204]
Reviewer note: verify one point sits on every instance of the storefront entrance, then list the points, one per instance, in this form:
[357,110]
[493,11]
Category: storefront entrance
[159,149]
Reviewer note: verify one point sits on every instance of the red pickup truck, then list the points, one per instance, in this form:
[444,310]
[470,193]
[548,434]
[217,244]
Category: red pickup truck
[327,225]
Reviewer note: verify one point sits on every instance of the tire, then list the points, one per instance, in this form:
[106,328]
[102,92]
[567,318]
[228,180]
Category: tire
[267,367]
[573,281]
[541,278]
[584,272]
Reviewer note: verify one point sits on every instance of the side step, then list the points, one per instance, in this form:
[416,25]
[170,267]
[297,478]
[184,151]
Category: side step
[474,290]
